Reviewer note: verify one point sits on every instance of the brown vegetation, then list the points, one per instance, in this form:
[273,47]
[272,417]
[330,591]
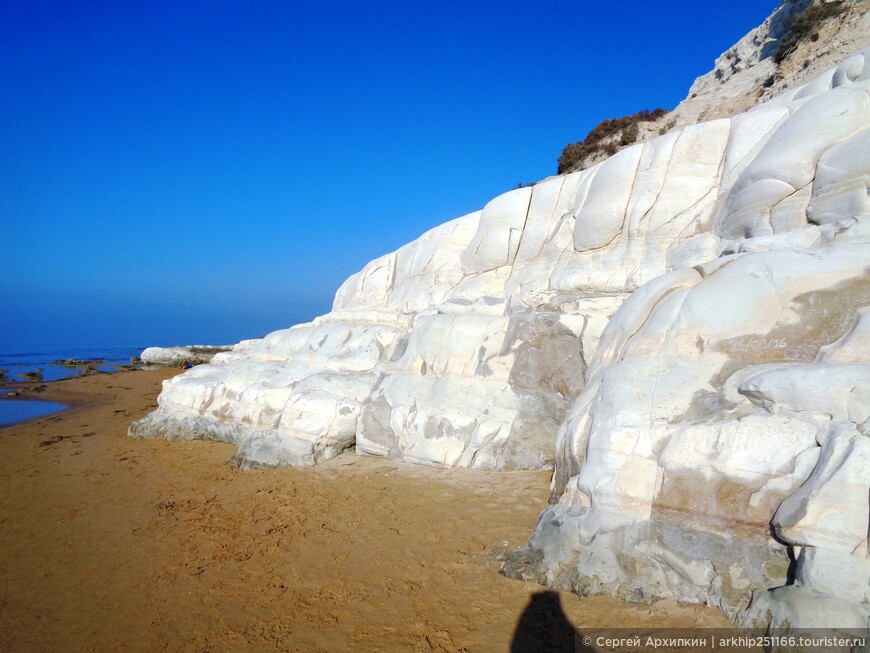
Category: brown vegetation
[607,137]
[805,26]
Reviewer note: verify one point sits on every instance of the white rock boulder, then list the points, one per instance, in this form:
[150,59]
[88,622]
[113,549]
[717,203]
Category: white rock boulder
[193,354]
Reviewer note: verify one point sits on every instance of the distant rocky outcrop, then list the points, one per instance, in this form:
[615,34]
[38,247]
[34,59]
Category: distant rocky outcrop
[680,331]
[175,356]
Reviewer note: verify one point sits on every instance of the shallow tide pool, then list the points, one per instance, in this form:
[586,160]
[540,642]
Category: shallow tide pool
[18,410]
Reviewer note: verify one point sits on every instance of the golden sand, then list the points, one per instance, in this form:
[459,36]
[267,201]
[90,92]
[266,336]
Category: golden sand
[115,544]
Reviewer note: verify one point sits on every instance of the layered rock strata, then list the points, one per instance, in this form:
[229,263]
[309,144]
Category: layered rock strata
[730,399]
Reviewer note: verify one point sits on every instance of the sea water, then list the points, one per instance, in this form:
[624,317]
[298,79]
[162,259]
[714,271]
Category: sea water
[18,410]
[16,362]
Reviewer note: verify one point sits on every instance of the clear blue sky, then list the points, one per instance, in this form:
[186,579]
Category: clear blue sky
[175,172]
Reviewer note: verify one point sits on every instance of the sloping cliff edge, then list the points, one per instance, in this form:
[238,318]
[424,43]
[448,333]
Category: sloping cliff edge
[680,331]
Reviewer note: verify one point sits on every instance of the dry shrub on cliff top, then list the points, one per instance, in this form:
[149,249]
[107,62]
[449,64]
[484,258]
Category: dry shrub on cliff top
[805,26]
[606,137]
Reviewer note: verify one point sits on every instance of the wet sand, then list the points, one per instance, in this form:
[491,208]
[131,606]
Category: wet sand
[111,543]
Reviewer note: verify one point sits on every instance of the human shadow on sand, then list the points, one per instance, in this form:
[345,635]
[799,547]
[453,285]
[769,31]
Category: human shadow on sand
[543,626]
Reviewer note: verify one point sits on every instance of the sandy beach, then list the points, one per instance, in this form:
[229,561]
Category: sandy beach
[110,543]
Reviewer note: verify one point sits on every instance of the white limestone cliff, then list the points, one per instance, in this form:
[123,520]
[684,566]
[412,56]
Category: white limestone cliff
[681,331]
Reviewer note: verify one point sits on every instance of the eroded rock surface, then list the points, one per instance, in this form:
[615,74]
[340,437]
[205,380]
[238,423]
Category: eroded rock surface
[730,398]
